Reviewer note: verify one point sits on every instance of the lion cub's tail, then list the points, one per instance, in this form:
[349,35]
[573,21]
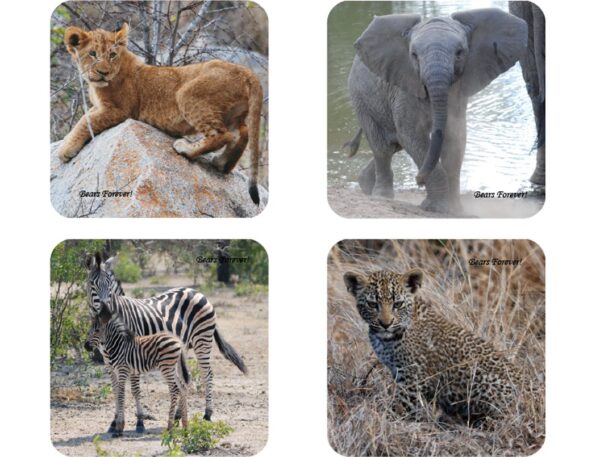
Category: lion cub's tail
[254,110]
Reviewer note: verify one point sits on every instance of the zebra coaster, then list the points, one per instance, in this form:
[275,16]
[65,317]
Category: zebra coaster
[138,304]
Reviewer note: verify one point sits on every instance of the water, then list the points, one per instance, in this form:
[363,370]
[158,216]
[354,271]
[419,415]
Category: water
[500,123]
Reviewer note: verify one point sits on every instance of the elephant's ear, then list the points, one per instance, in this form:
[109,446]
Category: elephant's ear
[497,40]
[384,49]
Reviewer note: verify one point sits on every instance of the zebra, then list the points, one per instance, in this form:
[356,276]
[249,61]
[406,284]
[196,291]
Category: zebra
[184,312]
[129,355]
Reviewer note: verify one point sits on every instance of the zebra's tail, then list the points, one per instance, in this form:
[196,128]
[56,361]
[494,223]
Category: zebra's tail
[229,353]
[185,374]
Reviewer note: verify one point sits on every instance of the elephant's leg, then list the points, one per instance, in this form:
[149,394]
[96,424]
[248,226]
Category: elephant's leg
[437,192]
[452,159]
[384,176]
[436,185]
[366,178]
[452,163]
[377,177]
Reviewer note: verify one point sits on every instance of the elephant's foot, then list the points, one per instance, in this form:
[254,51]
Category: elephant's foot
[435,205]
[383,192]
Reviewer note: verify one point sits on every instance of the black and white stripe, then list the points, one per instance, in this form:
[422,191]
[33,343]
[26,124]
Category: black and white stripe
[184,312]
[128,356]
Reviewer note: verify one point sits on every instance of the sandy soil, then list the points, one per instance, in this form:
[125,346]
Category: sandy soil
[352,203]
[81,408]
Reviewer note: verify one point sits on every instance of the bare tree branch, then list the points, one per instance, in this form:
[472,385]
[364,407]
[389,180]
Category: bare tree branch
[156,12]
[146,31]
[193,27]
[78,16]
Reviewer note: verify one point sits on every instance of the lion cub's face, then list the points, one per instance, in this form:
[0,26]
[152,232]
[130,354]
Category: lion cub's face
[97,53]
[384,299]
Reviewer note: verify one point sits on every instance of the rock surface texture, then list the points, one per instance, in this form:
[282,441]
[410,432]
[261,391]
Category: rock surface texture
[132,170]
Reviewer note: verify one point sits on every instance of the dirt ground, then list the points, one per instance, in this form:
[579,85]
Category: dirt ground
[352,203]
[82,406]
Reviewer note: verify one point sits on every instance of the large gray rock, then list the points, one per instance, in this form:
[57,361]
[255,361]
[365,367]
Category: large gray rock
[147,178]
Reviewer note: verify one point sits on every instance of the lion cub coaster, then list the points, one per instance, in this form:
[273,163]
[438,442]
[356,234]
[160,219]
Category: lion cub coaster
[212,106]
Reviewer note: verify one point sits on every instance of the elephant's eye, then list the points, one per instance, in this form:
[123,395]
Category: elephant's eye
[459,53]
[414,55]
[93,53]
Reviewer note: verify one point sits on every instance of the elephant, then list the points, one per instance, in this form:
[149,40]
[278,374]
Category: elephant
[409,85]
[533,66]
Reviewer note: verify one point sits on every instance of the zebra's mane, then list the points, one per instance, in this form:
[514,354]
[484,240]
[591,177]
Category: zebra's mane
[120,292]
[119,325]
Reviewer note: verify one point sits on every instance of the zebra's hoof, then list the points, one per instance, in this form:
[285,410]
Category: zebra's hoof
[112,428]
[117,434]
[207,414]
[139,427]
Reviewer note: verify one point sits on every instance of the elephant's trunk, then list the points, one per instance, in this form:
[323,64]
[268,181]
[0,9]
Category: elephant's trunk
[438,86]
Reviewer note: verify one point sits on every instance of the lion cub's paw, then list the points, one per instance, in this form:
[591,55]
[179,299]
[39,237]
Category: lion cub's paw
[65,154]
[182,146]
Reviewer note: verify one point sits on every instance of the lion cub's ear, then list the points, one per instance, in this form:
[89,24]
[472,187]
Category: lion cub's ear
[414,280]
[122,35]
[75,38]
[354,282]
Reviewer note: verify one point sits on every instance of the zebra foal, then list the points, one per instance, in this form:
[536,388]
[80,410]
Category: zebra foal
[128,356]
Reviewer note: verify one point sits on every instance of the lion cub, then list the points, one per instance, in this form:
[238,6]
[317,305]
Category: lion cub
[220,100]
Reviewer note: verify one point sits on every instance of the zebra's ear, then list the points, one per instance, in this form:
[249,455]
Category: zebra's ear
[110,263]
[98,257]
[89,262]
[104,315]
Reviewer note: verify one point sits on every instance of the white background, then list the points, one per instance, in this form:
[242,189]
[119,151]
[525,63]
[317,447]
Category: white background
[298,228]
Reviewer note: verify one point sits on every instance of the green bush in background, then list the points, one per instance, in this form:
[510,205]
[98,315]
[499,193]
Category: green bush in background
[69,321]
[126,270]
[256,270]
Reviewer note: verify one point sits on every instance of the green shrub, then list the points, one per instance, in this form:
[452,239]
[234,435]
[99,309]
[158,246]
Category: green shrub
[256,269]
[200,435]
[69,321]
[126,270]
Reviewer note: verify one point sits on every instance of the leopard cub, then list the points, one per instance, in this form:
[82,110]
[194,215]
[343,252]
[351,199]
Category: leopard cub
[432,360]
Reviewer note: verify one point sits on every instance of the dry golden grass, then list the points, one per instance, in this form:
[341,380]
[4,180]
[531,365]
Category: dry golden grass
[503,304]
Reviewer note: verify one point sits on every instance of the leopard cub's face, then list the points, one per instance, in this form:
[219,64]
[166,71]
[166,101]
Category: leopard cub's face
[384,299]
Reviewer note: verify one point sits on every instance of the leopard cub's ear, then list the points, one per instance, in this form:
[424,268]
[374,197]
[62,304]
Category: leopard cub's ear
[414,280]
[354,282]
